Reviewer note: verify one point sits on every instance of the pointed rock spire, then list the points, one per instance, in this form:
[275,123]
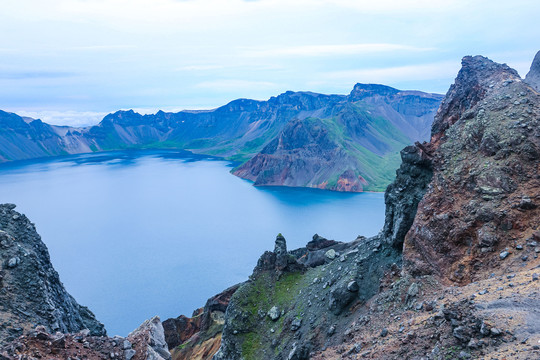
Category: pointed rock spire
[533,77]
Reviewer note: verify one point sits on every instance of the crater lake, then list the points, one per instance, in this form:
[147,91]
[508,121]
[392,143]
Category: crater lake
[135,234]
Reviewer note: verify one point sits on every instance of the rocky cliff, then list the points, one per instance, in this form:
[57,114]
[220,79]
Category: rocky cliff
[353,148]
[40,319]
[199,337]
[481,209]
[31,293]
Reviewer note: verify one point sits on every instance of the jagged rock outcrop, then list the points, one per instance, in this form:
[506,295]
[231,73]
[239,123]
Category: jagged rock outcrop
[533,76]
[199,337]
[483,199]
[287,311]
[145,343]
[403,195]
[31,293]
[149,340]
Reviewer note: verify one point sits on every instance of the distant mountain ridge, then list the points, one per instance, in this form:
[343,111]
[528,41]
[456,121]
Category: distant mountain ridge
[364,128]
[353,148]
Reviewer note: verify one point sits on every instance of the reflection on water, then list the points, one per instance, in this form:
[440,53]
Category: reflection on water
[140,233]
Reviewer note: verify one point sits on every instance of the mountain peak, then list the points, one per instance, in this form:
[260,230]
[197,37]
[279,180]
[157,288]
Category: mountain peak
[361,91]
[478,77]
[533,77]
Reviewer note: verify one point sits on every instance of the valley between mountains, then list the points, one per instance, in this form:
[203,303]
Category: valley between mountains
[453,274]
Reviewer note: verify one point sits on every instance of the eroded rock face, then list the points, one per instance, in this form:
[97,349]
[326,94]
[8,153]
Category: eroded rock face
[150,340]
[403,195]
[30,289]
[285,312]
[199,337]
[484,194]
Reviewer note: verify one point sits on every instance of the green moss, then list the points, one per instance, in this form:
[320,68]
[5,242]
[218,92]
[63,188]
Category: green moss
[251,346]
[182,346]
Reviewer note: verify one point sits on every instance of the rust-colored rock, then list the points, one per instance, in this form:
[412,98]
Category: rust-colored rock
[485,191]
[199,337]
[145,343]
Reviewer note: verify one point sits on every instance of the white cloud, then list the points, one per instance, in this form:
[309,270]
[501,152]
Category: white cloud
[389,75]
[201,67]
[331,50]
[68,117]
[236,84]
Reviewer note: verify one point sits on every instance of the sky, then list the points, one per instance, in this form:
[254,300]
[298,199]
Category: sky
[73,61]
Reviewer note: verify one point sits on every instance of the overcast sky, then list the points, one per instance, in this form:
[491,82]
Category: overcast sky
[72,61]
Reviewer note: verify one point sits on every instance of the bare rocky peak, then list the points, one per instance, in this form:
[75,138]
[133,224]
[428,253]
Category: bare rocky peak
[478,76]
[480,212]
[533,77]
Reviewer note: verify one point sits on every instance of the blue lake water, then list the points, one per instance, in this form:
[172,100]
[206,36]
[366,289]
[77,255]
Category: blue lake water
[135,234]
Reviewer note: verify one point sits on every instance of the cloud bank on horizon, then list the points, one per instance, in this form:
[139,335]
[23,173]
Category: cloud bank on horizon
[70,61]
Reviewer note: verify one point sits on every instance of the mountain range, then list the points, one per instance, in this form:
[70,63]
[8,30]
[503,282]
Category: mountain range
[336,142]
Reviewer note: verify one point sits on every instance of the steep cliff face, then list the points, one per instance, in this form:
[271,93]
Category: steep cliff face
[39,319]
[355,148]
[30,290]
[480,213]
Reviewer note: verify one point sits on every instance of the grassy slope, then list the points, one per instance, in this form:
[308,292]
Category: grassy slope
[378,170]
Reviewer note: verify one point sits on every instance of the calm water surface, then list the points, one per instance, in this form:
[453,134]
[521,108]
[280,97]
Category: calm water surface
[140,233]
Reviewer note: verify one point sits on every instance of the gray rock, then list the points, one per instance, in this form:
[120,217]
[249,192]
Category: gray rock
[503,255]
[535,277]
[13,262]
[128,354]
[152,330]
[299,352]
[274,313]
[462,333]
[352,286]
[331,330]
[296,323]
[384,332]
[533,76]
[126,344]
[280,246]
[330,254]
